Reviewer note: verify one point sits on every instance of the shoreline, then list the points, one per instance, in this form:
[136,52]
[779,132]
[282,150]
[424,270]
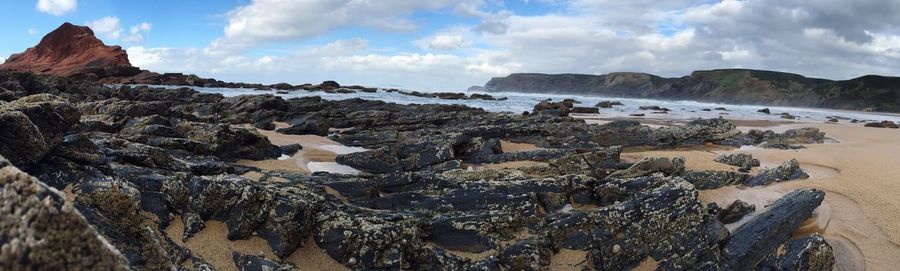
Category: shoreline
[856,173]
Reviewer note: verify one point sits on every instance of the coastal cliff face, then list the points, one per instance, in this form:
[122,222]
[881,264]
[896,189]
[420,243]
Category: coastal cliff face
[72,51]
[739,86]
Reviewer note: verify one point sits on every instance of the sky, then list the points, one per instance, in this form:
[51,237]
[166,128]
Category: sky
[445,45]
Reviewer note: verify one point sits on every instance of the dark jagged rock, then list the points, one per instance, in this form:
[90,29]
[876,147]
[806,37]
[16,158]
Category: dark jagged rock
[735,211]
[479,149]
[608,104]
[788,116]
[585,110]
[530,254]
[742,160]
[787,140]
[382,160]
[750,243]
[787,171]
[598,163]
[32,126]
[654,108]
[291,149]
[764,110]
[562,108]
[142,156]
[808,253]
[688,240]
[650,165]
[329,85]
[883,124]
[56,237]
[193,224]
[306,126]
[367,241]
[257,263]
[713,179]
[632,133]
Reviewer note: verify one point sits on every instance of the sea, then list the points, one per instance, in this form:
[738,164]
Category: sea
[516,103]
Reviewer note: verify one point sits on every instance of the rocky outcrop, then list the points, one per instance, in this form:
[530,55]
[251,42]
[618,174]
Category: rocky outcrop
[753,241]
[736,86]
[139,157]
[32,126]
[40,230]
[790,139]
[883,124]
[72,51]
[789,170]
[735,211]
[742,160]
[808,253]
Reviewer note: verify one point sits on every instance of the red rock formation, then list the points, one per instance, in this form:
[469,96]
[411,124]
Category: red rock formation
[72,51]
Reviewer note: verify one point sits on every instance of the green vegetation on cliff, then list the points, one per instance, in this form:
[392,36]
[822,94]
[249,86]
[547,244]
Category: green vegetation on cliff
[737,86]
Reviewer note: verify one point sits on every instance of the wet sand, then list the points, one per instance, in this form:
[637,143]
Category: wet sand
[508,146]
[860,216]
[318,154]
[213,246]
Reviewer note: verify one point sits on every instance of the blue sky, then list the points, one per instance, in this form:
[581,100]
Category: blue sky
[453,44]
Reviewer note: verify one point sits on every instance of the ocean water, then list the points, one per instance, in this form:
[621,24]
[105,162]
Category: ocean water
[520,102]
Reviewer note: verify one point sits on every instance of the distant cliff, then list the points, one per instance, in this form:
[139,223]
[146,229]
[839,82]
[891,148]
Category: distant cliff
[737,86]
[72,51]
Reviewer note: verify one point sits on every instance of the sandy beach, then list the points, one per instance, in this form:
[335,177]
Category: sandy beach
[860,216]
[318,153]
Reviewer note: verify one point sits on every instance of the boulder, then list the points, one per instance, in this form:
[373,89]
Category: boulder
[480,150]
[283,86]
[529,254]
[754,240]
[735,211]
[808,253]
[259,263]
[883,124]
[585,110]
[764,111]
[607,104]
[291,149]
[561,108]
[654,108]
[712,179]
[742,160]
[32,126]
[329,85]
[382,160]
[308,125]
[789,170]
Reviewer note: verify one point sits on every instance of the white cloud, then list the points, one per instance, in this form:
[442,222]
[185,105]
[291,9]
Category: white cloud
[32,31]
[826,38]
[264,21]
[137,32]
[447,41]
[109,27]
[56,7]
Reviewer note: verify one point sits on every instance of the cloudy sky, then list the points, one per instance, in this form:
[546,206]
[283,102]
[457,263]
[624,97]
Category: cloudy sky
[450,45]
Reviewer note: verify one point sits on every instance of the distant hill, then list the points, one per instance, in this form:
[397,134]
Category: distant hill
[72,51]
[735,86]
